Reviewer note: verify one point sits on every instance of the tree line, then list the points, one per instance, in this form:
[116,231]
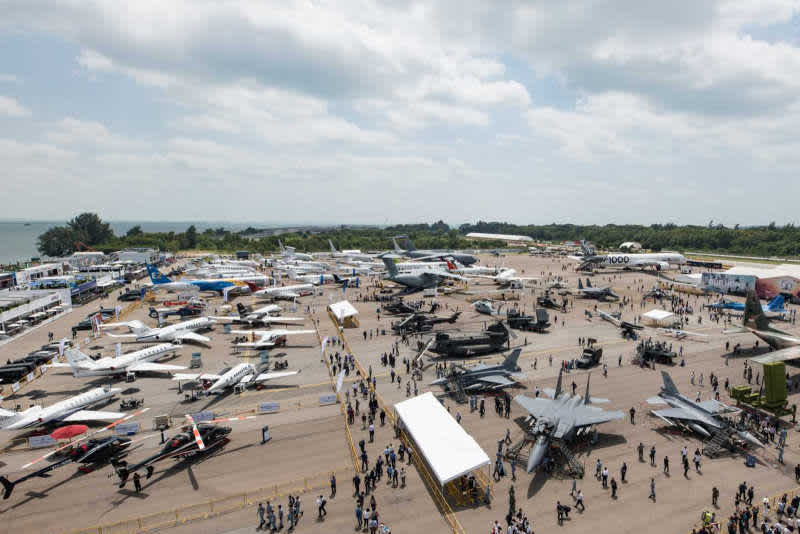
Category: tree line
[87,230]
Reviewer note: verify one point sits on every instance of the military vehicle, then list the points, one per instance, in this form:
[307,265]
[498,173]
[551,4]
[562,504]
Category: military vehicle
[520,321]
[659,351]
[590,356]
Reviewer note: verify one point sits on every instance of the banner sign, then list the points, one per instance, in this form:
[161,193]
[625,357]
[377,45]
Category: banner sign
[269,407]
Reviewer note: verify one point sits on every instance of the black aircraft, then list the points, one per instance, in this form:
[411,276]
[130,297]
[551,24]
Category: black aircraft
[545,301]
[398,307]
[196,440]
[90,454]
[419,322]
[464,344]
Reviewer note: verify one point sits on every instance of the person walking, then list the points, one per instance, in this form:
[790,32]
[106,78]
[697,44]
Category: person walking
[623,471]
[633,414]
[333,485]
[666,465]
[261,521]
[613,488]
[579,501]
[652,489]
[640,448]
[137,482]
[653,455]
[714,496]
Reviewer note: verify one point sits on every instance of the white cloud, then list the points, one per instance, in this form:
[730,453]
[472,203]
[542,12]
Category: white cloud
[517,104]
[11,108]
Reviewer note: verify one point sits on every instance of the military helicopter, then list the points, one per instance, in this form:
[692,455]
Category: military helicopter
[89,452]
[419,322]
[194,441]
[465,344]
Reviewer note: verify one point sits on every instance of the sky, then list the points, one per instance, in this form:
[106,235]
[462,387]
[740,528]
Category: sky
[379,112]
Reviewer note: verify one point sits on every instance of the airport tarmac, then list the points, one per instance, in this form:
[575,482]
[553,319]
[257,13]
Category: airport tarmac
[309,441]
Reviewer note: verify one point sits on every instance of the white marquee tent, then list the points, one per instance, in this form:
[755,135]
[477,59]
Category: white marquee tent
[448,449]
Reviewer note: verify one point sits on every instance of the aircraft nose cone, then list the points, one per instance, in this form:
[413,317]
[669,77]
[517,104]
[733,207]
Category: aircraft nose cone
[537,454]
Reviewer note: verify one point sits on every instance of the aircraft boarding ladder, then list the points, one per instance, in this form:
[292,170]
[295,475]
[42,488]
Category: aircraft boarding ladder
[573,467]
[456,388]
[718,444]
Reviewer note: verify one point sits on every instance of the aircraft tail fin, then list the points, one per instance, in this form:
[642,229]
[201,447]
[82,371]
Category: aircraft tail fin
[396,246]
[409,244]
[8,487]
[156,276]
[333,249]
[450,265]
[510,363]
[754,314]
[586,398]
[669,386]
[580,284]
[292,274]
[336,278]
[390,266]
[241,309]
[588,283]
[776,304]
[558,383]
[280,246]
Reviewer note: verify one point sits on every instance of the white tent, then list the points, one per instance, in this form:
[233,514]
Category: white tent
[448,449]
[346,314]
[658,318]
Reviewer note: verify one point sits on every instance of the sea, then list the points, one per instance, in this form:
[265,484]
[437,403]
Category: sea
[18,238]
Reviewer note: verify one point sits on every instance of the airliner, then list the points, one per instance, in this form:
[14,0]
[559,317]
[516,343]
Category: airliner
[243,373]
[658,260]
[223,286]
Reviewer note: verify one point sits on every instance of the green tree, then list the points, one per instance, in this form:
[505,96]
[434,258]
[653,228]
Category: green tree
[135,231]
[57,241]
[90,229]
[191,237]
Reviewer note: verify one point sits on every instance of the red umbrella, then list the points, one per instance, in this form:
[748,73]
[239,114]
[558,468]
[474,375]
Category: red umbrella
[69,432]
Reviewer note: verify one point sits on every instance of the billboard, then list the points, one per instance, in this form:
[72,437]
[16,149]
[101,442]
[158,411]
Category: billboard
[738,284]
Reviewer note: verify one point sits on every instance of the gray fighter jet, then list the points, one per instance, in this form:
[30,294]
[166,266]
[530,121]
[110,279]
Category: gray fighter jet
[599,293]
[484,377]
[703,417]
[786,345]
[560,416]
[417,279]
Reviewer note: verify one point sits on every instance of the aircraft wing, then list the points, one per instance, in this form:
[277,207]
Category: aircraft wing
[278,319]
[588,415]
[496,381]
[270,376]
[442,274]
[536,406]
[656,400]
[714,406]
[152,366]
[90,415]
[193,376]
[782,355]
[550,392]
[128,336]
[192,336]
[677,413]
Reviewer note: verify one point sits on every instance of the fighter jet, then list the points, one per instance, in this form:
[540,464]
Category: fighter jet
[757,323]
[599,293]
[702,417]
[773,306]
[484,377]
[419,279]
[560,417]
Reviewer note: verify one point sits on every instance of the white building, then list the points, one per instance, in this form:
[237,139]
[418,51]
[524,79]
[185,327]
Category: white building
[500,237]
[24,276]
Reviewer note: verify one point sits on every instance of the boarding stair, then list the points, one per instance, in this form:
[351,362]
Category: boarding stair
[574,467]
[717,445]
[456,388]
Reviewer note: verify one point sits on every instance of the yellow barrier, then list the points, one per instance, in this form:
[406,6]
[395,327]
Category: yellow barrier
[213,508]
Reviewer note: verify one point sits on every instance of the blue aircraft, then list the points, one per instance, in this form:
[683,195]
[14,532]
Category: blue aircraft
[221,286]
[773,306]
